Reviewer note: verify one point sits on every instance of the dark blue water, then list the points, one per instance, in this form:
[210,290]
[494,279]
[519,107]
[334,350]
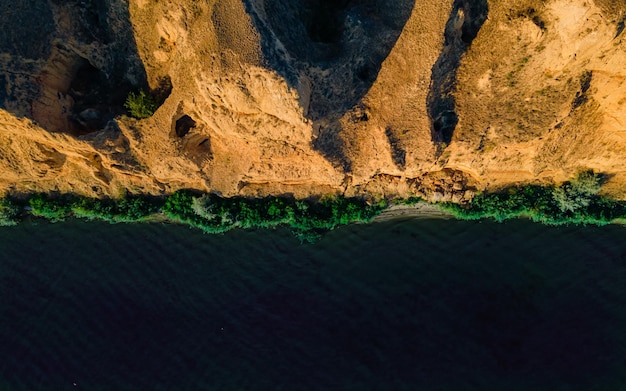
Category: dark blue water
[400,305]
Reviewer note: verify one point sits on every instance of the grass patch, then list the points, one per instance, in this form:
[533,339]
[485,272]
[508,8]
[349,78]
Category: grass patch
[410,201]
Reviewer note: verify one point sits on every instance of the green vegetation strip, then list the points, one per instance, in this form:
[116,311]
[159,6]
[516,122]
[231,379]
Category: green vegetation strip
[575,202]
[211,213]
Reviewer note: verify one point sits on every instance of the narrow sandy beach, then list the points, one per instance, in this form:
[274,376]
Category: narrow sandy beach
[419,211]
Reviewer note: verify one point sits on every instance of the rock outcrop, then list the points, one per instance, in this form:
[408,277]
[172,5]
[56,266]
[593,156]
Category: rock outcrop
[307,97]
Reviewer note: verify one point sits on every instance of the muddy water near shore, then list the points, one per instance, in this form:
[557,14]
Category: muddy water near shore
[401,304]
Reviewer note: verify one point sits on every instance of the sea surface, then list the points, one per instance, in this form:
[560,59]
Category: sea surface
[397,305]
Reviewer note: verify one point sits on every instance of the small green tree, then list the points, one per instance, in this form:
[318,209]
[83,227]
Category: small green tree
[202,207]
[140,105]
[578,193]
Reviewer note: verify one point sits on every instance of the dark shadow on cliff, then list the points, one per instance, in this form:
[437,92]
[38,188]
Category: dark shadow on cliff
[72,63]
[330,51]
[466,19]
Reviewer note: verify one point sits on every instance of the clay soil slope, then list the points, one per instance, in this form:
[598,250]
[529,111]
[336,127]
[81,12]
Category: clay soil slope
[309,97]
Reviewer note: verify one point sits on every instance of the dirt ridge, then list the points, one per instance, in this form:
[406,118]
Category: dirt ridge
[356,97]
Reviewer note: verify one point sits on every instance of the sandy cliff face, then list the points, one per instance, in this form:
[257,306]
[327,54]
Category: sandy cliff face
[541,93]
[311,96]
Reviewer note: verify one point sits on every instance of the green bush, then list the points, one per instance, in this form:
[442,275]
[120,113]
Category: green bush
[10,211]
[53,209]
[140,105]
[575,202]
[578,193]
[307,218]
[129,209]
[212,213]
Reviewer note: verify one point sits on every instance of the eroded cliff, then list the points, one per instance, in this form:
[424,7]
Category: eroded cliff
[308,97]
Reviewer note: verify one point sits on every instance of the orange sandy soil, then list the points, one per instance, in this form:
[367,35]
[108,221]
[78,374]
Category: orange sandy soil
[540,94]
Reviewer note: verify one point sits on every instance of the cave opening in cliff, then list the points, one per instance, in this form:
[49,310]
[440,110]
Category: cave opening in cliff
[97,99]
[183,125]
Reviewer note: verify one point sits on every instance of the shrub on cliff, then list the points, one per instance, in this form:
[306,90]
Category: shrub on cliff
[578,194]
[306,218]
[576,201]
[140,105]
[53,209]
[128,209]
[9,212]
